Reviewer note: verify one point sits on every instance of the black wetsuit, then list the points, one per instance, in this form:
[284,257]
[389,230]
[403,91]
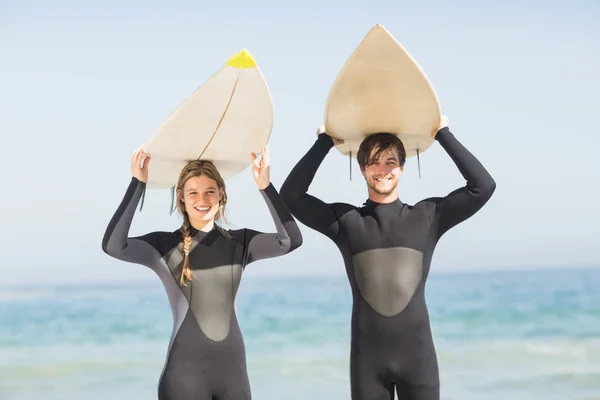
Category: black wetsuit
[387,251]
[206,354]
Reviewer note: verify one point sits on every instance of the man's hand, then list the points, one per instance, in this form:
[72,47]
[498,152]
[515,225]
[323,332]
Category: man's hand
[321,130]
[444,122]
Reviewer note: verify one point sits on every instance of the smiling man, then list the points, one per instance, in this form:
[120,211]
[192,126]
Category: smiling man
[387,247]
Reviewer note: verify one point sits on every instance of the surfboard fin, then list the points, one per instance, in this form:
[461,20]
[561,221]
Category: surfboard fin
[172,200]
[350,156]
[143,197]
[418,163]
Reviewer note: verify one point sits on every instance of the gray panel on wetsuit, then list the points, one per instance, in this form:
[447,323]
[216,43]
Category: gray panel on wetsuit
[388,278]
[211,295]
[213,292]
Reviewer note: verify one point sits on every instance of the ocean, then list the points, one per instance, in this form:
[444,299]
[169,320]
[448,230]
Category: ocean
[499,335]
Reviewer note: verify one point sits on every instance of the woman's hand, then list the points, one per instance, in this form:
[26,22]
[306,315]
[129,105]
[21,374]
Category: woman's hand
[139,164]
[261,169]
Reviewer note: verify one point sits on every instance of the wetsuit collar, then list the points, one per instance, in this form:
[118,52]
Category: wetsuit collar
[198,233]
[384,208]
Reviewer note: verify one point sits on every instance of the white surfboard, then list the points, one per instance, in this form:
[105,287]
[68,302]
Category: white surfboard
[381,88]
[225,119]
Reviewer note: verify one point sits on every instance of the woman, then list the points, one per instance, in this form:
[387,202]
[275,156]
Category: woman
[200,266]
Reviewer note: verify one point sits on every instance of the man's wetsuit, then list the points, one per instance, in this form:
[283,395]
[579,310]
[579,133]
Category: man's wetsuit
[206,355]
[387,251]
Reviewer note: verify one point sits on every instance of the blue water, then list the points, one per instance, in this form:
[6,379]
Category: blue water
[503,335]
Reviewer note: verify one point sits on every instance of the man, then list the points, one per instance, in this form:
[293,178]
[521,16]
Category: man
[387,247]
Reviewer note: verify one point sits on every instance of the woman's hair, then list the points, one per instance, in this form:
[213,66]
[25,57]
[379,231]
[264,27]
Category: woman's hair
[193,169]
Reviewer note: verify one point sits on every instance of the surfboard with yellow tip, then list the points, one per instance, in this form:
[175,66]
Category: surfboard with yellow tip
[226,118]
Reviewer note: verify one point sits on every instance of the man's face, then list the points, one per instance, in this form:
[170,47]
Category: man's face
[383,174]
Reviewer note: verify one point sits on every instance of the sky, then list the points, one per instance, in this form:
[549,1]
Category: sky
[83,85]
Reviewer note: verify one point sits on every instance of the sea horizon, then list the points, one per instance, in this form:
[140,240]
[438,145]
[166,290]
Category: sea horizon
[518,334]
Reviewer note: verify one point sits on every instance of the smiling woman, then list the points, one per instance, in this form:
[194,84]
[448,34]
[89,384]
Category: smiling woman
[200,266]
[201,200]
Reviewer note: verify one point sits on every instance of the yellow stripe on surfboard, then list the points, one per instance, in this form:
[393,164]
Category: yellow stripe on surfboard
[242,60]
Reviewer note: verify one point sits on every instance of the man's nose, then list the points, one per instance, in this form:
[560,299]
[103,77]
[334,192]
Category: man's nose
[382,168]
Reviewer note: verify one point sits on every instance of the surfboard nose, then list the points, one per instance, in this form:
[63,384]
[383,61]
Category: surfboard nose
[242,59]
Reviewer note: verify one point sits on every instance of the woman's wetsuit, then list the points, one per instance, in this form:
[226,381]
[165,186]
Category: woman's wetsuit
[206,355]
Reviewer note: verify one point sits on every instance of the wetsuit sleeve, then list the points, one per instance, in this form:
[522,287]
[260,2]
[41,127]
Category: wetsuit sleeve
[116,242]
[267,245]
[308,209]
[462,203]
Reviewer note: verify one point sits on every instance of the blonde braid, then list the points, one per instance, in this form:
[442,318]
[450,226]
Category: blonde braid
[186,272]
